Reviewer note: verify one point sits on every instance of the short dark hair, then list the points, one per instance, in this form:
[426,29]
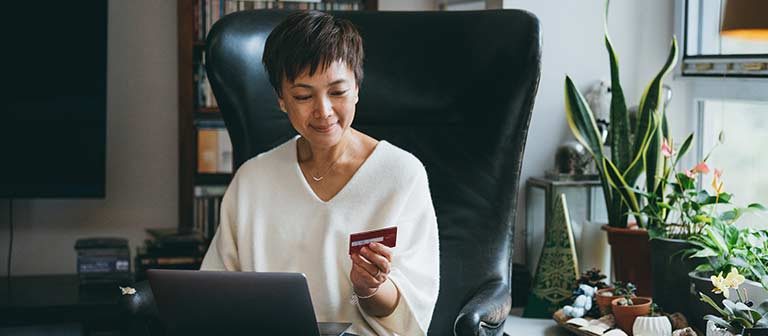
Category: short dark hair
[311,39]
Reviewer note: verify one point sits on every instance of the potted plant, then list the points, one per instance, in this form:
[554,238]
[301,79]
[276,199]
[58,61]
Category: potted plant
[737,316]
[653,324]
[629,158]
[675,212]
[605,296]
[725,248]
[627,309]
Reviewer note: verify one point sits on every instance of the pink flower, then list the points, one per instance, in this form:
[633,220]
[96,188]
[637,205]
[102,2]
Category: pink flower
[690,174]
[665,149]
[701,168]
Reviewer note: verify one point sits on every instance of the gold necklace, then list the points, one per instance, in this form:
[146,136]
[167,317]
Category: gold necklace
[320,178]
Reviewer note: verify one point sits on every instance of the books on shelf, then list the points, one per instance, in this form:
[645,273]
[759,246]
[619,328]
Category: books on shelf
[214,148]
[207,12]
[207,209]
[204,98]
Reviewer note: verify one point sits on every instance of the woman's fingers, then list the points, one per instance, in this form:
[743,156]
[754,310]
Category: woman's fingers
[358,261]
[379,260]
[368,281]
[381,249]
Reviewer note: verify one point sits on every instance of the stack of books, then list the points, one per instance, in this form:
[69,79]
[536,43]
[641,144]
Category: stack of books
[169,249]
[208,209]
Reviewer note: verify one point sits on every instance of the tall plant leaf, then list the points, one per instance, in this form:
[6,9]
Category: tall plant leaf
[619,184]
[581,121]
[650,110]
[619,125]
[683,149]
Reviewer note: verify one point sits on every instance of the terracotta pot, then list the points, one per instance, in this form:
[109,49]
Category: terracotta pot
[631,252]
[604,302]
[626,315]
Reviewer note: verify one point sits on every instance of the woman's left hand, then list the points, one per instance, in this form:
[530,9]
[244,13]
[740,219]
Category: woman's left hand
[370,268]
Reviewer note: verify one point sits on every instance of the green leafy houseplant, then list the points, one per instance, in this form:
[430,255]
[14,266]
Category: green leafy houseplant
[727,247]
[630,157]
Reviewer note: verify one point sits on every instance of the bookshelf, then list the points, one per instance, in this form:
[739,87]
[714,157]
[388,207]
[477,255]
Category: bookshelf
[198,190]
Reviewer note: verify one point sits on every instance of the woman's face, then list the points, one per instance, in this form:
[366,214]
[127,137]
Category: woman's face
[321,107]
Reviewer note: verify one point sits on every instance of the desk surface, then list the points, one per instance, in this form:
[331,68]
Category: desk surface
[55,299]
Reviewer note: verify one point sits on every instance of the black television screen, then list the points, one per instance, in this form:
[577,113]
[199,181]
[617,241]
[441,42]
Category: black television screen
[53,125]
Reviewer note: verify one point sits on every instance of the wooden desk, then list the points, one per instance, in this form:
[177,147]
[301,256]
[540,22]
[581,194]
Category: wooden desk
[58,299]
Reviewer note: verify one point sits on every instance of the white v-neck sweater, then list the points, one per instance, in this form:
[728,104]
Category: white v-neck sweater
[272,221]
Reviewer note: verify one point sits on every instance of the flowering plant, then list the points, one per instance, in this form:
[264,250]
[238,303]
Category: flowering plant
[739,314]
[677,209]
[727,247]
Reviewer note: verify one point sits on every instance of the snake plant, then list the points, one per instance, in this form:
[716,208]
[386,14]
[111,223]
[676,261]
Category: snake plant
[630,156]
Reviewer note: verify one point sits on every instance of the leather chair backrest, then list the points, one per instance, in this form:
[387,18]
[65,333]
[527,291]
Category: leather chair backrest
[456,89]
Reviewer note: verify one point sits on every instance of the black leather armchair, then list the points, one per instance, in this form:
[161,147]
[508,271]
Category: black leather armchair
[456,89]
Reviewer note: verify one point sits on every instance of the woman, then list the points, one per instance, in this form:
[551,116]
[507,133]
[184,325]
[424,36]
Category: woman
[292,209]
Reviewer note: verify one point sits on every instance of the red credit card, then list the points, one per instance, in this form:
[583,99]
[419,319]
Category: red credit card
[385,236]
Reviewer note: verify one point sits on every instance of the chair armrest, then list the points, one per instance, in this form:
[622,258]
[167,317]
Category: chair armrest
[486,312]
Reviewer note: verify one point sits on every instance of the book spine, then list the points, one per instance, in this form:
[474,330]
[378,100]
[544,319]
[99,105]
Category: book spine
[207,147]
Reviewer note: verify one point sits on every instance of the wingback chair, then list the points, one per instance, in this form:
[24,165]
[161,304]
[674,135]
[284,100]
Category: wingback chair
[456,89]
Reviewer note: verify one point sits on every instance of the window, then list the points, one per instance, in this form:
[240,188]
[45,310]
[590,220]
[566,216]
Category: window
[707,53]
[725,87]
[744,127]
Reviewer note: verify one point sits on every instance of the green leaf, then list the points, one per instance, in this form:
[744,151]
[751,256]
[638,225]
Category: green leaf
[716,238]
[757,206]
[683,149]
[581,120]
[730,215]
[708,300]
[619,124]
[703,267]
[707,252]
[618,183]
[650,119]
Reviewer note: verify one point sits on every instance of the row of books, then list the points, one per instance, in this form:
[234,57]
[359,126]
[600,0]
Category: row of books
[203,94]
[214,148]
[169,249]
[207,209]
[207,12]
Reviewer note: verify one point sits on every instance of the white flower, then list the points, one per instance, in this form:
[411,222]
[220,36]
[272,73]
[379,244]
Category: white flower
[128,290]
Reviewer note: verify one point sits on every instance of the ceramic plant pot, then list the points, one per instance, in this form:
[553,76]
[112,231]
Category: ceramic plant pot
[626,315]
[714,330]
[670,268]
[652,326]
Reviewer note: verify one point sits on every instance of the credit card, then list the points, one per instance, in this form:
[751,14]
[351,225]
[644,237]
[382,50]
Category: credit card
[385,236]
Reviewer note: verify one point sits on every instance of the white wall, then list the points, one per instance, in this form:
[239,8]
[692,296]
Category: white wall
[142,140]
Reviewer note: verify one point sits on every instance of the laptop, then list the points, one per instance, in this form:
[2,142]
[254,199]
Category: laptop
[243,303]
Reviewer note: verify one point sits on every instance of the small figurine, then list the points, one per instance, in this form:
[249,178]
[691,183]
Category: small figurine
[583,302]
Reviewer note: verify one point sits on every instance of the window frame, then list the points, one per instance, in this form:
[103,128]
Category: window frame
[711,85]
[732,65]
